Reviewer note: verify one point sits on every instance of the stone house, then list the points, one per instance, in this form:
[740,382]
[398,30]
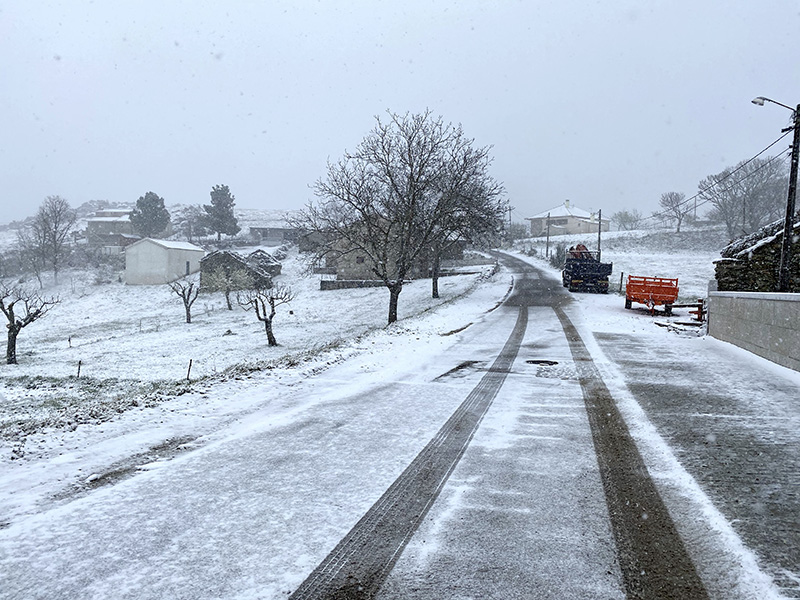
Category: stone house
[152,262]
[232,262]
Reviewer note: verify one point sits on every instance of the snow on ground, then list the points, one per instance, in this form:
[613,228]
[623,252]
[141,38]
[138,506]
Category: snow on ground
[57,463]
[695,514]
[132,342]
[59,431]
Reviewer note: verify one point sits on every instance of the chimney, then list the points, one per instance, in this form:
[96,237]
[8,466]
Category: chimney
[566,203]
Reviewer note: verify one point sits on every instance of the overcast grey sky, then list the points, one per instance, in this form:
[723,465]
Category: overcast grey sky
[609,104]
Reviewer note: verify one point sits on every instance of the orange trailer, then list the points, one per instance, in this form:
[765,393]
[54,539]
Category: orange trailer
[651,291]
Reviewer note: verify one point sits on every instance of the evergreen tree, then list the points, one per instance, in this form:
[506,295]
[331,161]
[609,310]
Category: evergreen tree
[150,218]
[219,214]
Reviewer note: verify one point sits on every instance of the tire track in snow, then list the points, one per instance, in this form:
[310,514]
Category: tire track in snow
[360,563]
[652,557]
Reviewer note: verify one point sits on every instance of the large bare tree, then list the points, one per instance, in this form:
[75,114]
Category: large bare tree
[748,196]
[627,220]
[265,302]
[21,307]
[673,206]
[45,243]
[397,195]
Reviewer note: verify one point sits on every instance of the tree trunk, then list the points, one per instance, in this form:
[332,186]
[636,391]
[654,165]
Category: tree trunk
[435,276]
[188,312]
[394,294]
[270,336]
[228,298]
[11,348]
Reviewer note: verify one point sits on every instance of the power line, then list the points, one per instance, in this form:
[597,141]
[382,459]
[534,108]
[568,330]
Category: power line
[734,171]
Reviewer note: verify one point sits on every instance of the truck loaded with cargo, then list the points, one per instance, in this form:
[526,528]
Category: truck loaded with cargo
[583,271]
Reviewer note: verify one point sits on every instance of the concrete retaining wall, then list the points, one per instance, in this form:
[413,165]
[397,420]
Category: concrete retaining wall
[764,324]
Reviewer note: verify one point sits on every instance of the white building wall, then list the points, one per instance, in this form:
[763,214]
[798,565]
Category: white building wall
[148,263]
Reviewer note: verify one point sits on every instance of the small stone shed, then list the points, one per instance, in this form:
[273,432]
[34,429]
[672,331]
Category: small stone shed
[231,262]
[750,264]
[153,262]
[265,261]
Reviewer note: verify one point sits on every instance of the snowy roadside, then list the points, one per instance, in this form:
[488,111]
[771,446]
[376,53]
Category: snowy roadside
[57,463]
[729,566]
[134,349]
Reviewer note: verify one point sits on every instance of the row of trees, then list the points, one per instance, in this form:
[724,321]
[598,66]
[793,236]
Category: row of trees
[413,187]
[744,198]
[262,301]
[151,218]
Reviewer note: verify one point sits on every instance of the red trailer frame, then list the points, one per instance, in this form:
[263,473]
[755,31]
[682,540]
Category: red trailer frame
[652,292]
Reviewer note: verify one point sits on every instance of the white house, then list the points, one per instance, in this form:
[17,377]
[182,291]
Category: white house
[150,261]
[566,219]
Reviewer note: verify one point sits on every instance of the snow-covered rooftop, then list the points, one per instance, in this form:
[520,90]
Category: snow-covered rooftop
[564,210]
[172,245]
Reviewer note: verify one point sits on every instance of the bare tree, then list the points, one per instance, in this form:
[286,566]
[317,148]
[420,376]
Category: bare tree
[674,207]
[190,221]
[390,199]
[31,251]
[747,196]
[627,220]
[473,209]
[187,290]
[45,243]
[21,307]
[226,279]
[264,303]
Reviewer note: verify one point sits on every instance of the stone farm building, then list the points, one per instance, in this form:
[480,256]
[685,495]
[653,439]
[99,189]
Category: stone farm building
[231,262]
[268,227]
[750,264]
[152,262]
[566,219]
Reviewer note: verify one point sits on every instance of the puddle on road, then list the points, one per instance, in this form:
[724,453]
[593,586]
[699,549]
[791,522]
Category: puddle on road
[128,467]
[462,370]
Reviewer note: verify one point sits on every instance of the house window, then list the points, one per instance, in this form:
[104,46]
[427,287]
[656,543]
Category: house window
[187,267]
[359,260]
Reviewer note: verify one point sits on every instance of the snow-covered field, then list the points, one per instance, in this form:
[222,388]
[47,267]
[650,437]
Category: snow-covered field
[133,345]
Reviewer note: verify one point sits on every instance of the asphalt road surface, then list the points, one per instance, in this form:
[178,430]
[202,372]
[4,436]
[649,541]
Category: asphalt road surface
[498,535]
[497,467]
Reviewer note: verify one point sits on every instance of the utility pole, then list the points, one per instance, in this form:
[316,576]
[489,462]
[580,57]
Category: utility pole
[547,243]
[788,223]
[599,231]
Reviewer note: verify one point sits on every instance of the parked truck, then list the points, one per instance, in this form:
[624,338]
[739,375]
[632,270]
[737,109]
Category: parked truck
[583,271]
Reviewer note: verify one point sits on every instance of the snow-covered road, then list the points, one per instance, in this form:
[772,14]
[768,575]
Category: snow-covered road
[259,499]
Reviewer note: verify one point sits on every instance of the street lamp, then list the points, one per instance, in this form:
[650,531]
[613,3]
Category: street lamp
[788,224]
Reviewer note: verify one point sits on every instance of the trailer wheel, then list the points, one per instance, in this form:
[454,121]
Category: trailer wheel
[627,303]
[668,310]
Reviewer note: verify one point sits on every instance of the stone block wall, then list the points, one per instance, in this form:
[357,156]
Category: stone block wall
[765,324]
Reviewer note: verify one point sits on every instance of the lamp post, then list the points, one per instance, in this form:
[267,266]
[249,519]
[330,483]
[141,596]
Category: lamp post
[788,224]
